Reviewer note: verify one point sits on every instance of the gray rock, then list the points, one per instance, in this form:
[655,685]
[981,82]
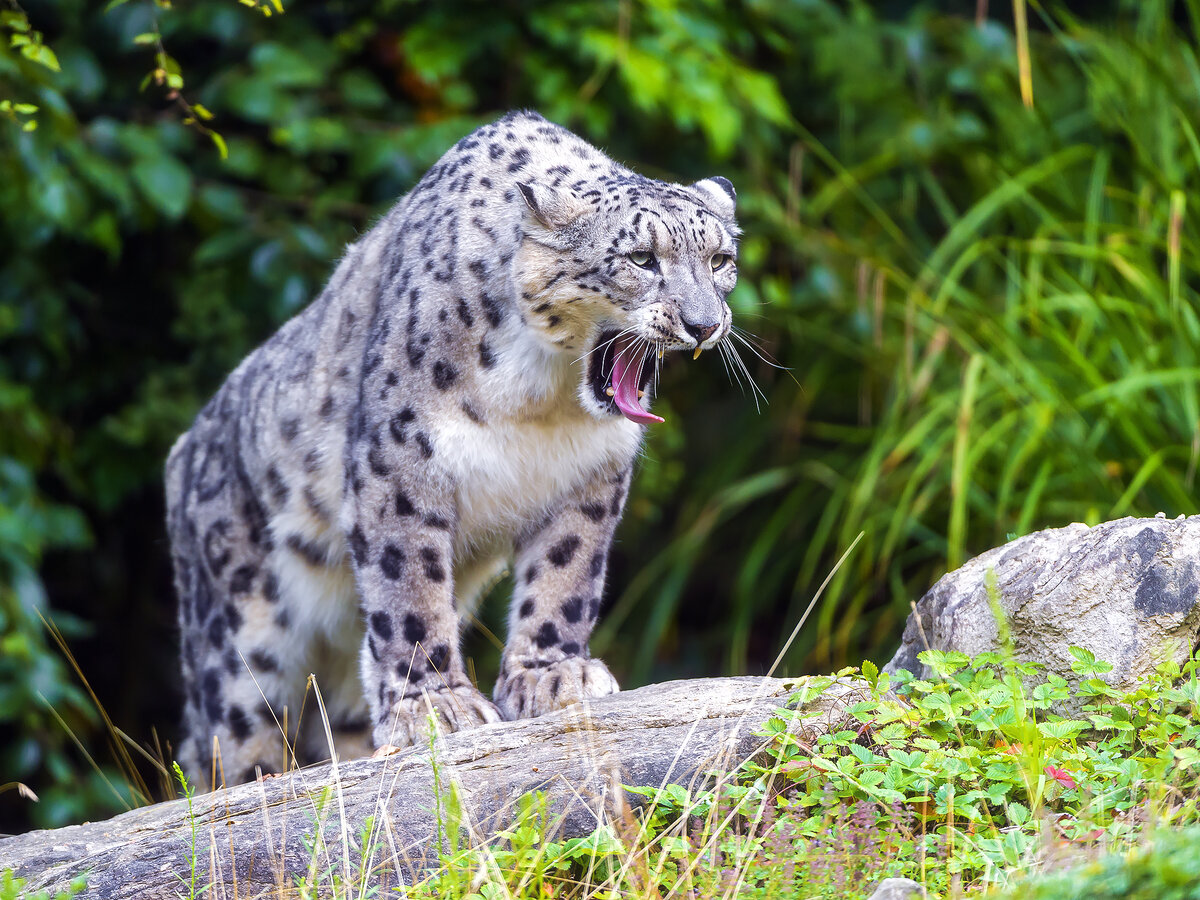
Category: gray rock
[898,889]
[1125,590]
[257,837]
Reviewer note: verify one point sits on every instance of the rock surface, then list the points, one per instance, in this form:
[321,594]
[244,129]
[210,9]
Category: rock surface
[252,838]
[898,889]
[1126,590]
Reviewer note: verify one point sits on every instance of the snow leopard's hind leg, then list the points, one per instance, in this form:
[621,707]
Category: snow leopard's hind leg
[237,685]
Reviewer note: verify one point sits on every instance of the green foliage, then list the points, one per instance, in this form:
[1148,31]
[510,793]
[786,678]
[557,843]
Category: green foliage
[524,862]
[188,792]
[26,40]
[966,781]
[12,888]
[988,310]
[993,773]
[1166,867]
[37,697]
[341,863]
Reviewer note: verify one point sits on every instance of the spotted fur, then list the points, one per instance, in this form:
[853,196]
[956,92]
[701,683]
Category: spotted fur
[434,416]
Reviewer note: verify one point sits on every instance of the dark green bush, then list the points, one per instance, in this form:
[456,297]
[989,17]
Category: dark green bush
[988,310]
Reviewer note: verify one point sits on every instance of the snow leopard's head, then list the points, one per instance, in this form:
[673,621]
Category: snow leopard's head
[620,269]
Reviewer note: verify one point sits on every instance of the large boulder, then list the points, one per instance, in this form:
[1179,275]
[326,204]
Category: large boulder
[1125,590]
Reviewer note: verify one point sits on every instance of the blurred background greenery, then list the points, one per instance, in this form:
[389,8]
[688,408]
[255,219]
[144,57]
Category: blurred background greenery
[972,243]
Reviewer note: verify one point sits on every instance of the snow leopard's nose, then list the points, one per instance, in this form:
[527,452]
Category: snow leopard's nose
[701,332]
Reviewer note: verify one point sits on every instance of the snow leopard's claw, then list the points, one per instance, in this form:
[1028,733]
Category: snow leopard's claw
[526,692]
[385,750]
[453,709]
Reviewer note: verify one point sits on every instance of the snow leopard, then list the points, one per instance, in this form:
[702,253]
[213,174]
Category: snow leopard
[467,396]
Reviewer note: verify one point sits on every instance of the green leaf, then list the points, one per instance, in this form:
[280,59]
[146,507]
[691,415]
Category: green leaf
[1187,757]
[997,791]
[1018,813]
[1064,730]
[944,662]
[165,182]
[864,755]
[1084,662]
[1081,654]
[15,20]
[284,66]
[40,53]
[870,671]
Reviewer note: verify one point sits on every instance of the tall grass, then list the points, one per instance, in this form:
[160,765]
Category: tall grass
[1009,291]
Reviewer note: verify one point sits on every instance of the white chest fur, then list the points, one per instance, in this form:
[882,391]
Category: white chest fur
[509,472]
[536,446]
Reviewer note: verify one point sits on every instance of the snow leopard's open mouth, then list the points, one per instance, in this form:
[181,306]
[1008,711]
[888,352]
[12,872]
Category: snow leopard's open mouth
[620,369]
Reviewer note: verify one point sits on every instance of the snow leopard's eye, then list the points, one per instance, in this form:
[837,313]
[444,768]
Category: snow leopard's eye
[642,258]
[719,261]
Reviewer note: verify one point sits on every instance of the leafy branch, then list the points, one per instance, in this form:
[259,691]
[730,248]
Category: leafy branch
[168,74]
[25,38]
[29,42]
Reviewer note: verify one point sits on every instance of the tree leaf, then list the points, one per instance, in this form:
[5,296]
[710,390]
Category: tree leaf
[165,182]
[42,54]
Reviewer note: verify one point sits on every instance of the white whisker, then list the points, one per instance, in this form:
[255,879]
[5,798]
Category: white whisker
[602,346]
[757,350]
[731,368]
[725,362]
[756,391]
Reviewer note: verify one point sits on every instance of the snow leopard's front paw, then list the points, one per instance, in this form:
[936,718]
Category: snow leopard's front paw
[530,688]
[454,709]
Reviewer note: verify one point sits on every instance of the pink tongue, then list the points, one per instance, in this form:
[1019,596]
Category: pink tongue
[625,373]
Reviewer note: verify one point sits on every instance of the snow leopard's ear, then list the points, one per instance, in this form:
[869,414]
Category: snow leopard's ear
[719,194]
[554,208]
